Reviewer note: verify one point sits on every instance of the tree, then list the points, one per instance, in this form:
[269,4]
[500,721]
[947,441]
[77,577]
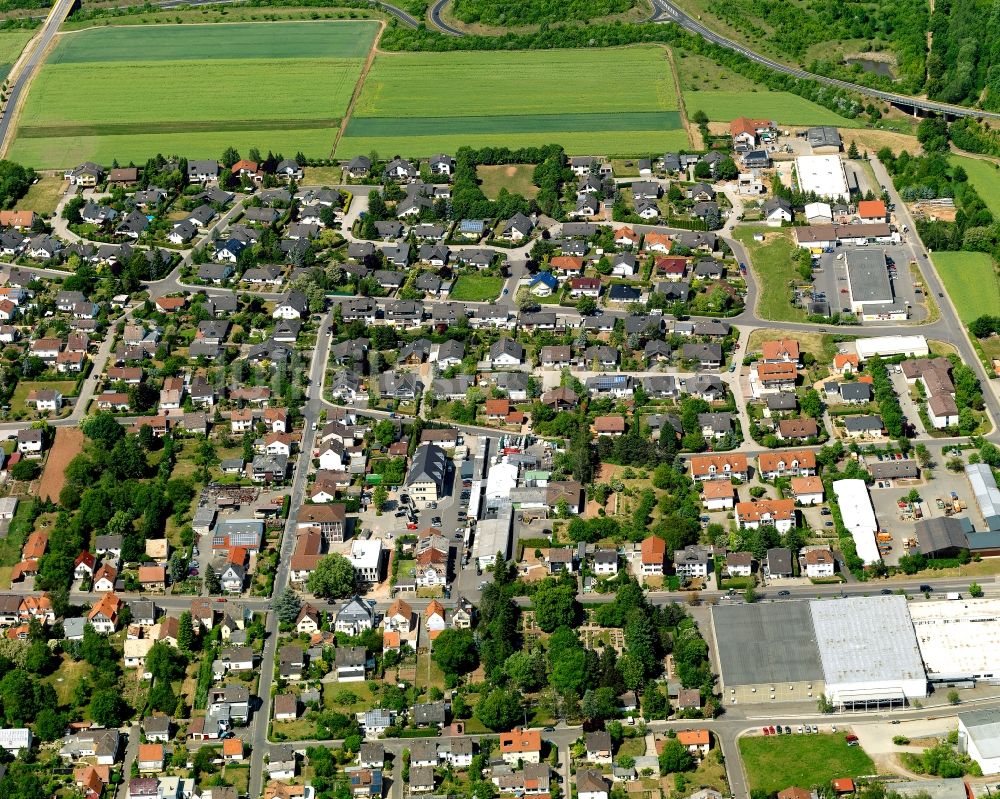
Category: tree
[185,632]
[103,427]
[852,151]
[25,470]
[674,758]
[455,651]
[287,606]
[953,698]
[379,497]
[586,306]
[726,169]
[212,584]
[499,709]
[333,578]
[811,403]
[108,709]
[178,566]
[50,724]
[385,432]
[163,698]
[555,606]
[975,590]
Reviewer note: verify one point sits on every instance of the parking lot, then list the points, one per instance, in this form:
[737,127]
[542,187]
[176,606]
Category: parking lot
[830,279]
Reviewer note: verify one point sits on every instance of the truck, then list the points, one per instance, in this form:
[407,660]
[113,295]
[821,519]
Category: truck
[883,537]
[953,595]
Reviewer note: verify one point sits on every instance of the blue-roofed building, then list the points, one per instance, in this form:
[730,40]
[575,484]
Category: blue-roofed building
[543,284]
[471,226]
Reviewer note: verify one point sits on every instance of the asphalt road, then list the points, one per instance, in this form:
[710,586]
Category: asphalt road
[37,46]
[440,23]
[671,13]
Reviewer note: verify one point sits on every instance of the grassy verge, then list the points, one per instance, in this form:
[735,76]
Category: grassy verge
[773,764]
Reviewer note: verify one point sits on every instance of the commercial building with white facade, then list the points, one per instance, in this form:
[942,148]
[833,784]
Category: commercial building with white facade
[868,651]
[959,640]
[858,516]
[889,346]
[979,737]
[824,175]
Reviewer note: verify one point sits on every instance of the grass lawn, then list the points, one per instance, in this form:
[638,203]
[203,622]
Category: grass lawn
[773,264]
[10,547]
[160,87]
[238,777]
[66,677]
[403,109]
[24,387]
[429,675]
[476,288]
[822,347]
[326,176]
[971,281]
[772,764]
[359,694]
[11,44]
[43,196]
[784,107]
[984,177]
[516,178]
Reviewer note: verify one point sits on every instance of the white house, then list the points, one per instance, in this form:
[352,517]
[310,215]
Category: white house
[819,562]
[942,411]
[591,784]
[718,495]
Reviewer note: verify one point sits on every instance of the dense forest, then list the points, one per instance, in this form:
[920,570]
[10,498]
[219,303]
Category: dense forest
[964,65]
[792,28]
[533,12]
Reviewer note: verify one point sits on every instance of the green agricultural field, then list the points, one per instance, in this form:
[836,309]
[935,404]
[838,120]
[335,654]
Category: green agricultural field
[421,103]
[128,93]
[774,763]
[523,82]
[266,40]
[773,264]
[971,281]
[11,44]
[783,107]
[985,178]
[476,288]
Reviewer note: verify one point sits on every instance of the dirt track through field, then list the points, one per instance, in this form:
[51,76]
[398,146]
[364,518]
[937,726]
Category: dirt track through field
[68,443]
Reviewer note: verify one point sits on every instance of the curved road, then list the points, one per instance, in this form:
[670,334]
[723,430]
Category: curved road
[440,23]
[671,13]
[28,65]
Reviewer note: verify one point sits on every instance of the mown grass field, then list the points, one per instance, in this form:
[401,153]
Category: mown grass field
[774,763]
[129,93]
[984,177]
[773,265]
[421,103]
[783,107]
[971,281]
[476,288]
[516,178]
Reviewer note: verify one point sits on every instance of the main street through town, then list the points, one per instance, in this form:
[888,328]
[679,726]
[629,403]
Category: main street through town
[736,720]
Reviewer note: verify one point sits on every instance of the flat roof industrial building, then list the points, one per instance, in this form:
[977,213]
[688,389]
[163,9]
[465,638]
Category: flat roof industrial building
[959,639]
[979,736]
[824,175]
[767,652]
[889,346]
[860,652]
[858,516]
[868,651]
[868,279]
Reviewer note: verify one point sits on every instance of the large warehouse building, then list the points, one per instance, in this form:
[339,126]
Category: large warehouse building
[767,652]
[870,287]
[889,346]
[824,175]
[858,516]
[959,640]
[868,651]
[795,651]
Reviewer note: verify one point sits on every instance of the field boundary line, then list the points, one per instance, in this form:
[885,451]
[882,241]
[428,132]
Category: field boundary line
[362,78]
[695,142]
